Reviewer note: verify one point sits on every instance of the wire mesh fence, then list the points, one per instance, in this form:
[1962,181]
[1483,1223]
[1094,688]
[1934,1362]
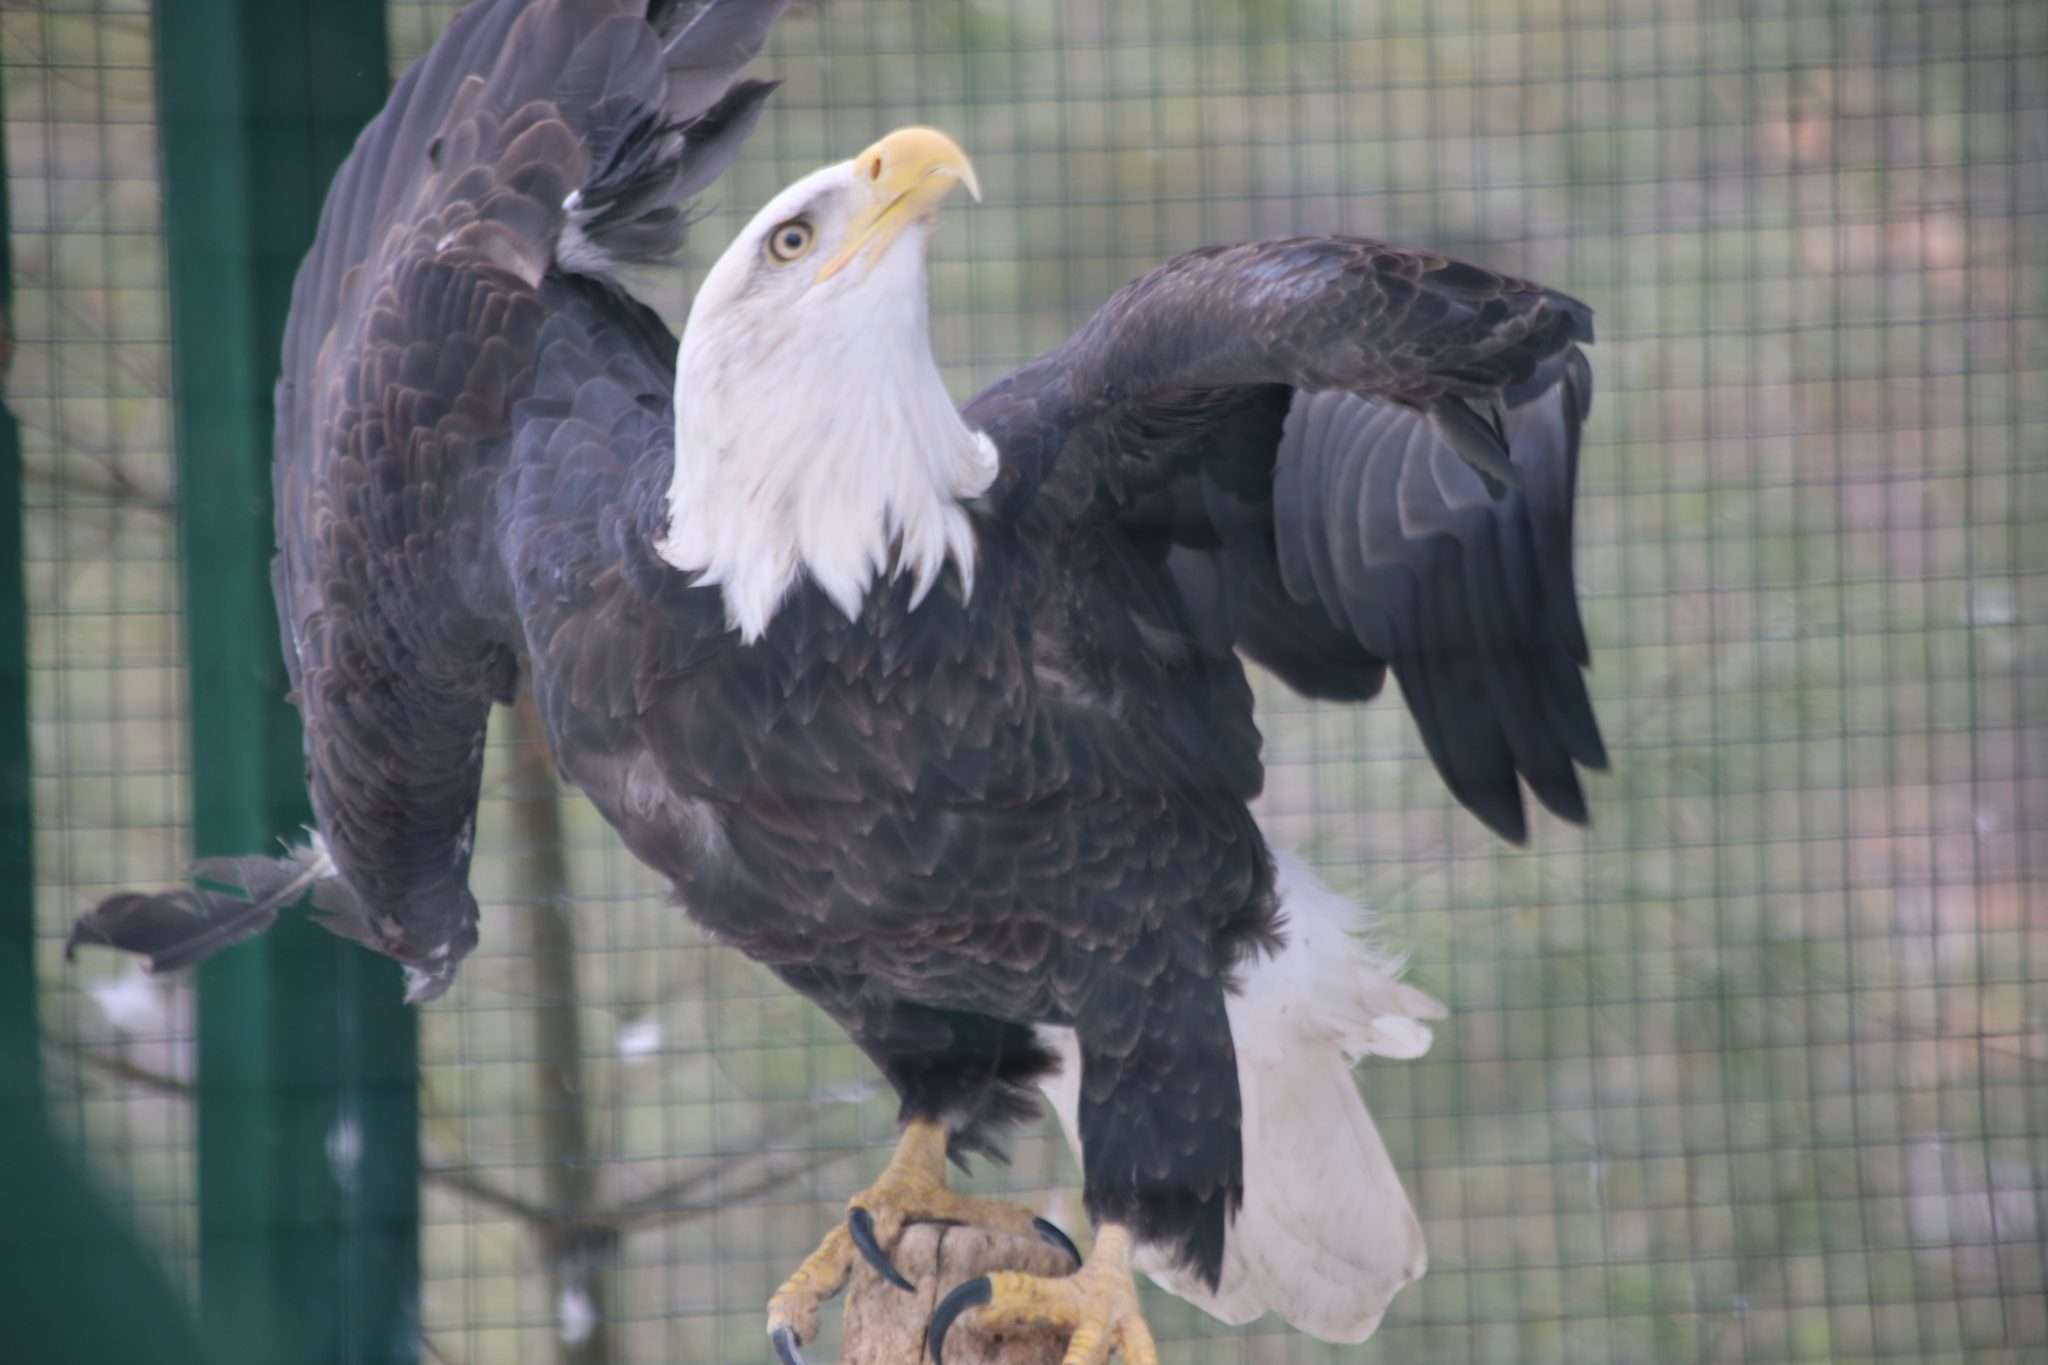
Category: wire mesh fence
[87,379]
[1752,1070]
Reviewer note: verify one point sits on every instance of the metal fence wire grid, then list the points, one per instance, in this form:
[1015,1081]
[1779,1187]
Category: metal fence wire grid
[1750,1067]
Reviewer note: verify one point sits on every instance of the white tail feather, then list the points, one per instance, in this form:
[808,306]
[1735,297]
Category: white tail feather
[1326,1236]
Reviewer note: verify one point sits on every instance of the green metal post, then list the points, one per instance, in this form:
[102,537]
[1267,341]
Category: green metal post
[308,1118]
[20,1074]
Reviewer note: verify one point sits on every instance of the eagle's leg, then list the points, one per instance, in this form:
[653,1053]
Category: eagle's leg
[1097,1304]
[911,1189]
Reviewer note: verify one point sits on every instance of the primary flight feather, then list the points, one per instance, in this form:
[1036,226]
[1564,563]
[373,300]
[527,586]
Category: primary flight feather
[936,711]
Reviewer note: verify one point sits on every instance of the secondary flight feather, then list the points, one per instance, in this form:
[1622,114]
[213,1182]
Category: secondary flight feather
[939,712]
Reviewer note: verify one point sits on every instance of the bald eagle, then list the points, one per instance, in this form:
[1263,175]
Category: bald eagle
[939,712]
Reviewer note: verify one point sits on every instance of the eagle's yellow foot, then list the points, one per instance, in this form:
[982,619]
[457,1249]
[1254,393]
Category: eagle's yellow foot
[912,1189]
[1097,1304]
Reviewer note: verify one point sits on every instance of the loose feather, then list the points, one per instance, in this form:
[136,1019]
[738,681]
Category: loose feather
[175,929]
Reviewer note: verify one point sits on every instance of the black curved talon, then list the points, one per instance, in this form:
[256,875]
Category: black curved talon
[974,1294]
[1052,1236]
[786,1348]
[861,1227]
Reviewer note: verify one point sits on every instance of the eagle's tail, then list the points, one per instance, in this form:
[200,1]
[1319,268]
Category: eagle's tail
[1326,1235]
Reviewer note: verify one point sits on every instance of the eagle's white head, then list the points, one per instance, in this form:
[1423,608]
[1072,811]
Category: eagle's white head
[814,433]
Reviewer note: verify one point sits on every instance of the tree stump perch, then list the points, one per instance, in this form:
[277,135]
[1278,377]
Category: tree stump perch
[883,1325]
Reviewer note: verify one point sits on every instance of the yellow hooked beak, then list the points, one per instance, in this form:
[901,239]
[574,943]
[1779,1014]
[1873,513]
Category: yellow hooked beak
[907,175]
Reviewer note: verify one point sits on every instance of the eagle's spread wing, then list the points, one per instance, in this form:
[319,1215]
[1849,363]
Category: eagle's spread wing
[450,302]
[1353,457]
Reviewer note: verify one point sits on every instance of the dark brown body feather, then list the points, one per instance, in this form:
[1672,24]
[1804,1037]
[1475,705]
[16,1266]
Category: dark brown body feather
[946,825]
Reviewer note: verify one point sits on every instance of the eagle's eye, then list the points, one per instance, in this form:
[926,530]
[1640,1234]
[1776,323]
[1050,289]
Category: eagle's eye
[791,239]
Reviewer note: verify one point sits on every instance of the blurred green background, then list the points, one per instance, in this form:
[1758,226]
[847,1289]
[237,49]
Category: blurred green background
[1756,1069]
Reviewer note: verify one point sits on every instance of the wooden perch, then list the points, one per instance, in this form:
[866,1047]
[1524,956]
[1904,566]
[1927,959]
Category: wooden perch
[885,1326]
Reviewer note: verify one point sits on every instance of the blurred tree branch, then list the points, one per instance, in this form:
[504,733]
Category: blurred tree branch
[676,1201]
[576,1258]
[99,477]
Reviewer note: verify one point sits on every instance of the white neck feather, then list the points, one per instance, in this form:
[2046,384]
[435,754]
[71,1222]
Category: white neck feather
[805,447]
